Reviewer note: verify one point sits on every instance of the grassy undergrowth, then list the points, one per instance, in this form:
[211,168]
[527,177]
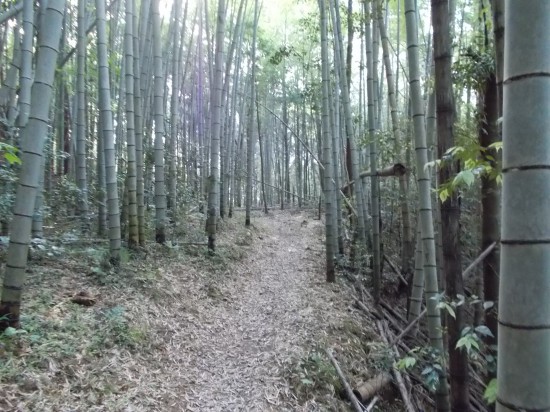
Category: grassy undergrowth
[87,354]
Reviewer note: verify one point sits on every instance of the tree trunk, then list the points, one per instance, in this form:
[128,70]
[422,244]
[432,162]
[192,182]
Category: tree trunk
[450,209]
[373,153]
[101,184]
[138,119]
[217,84]
[417,287]
[174,114]
[81,176]
[250,119]
[407,246]
[349,128]
[490,206]
[106,121]
[25,76]
[228,104]
[428,241]
[497,7]
[262,155]
[29,176]
[330,209]
[131,175]
[524,310]
[160,192]
[286,139]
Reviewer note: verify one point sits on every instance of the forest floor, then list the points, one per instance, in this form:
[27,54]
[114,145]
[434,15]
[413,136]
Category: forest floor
[178,330]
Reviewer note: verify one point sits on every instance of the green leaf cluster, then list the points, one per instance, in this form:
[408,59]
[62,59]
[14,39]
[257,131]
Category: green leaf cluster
[426,358]
[449,306]
[284,51]
[490,394]
[471,339]
[10,153]
[431,375]
[473,67]
[316,372]
[476,161]
[405,363]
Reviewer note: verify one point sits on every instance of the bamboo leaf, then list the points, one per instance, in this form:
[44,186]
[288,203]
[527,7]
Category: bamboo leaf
[490,394]
[9,332]
[443,195]
[468,177]
[405,363]
[450,310]
[12,158]
[464,342]
[484,330]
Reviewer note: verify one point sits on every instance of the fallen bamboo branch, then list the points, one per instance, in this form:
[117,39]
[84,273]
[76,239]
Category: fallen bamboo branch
[398,377]
[397,169]
[393,312]
[367,311]
[408,328]
[372,403]
[479,259]
[464,274]
[84,241]
[351,396]
[370,388]
[396,271]
[362,306]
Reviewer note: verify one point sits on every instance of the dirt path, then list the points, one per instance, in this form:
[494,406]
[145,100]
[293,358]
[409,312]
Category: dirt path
[178,330]
[270,308]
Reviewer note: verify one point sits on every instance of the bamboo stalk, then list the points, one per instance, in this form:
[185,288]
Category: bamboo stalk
[11,12]
[370,388]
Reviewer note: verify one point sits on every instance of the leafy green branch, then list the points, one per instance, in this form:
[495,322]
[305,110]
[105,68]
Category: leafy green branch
[490,393]
[472,341]
[10,153]
[476,161]
[428,363]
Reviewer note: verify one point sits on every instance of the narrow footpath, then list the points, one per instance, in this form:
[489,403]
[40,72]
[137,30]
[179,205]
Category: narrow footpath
[268,311]
[175,329]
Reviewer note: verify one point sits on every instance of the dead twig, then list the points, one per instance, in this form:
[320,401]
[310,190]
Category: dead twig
[479,259]
[472,265]
[355,403]
[398,377]
[407,329]
[396,271]
[372,403]
[365,309]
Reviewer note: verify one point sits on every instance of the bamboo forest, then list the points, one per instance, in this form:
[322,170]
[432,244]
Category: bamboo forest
[294,205]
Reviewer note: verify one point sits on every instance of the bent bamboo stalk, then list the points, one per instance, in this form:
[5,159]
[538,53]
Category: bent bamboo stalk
[397,169]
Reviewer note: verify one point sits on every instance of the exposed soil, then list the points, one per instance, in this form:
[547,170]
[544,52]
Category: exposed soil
[244,330]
